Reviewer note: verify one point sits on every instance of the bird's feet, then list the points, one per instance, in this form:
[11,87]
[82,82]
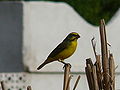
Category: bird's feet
[65,64]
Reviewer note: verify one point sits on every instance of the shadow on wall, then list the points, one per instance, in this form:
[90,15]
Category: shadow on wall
[11,37]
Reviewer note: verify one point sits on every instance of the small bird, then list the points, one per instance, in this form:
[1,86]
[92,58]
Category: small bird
[64,50]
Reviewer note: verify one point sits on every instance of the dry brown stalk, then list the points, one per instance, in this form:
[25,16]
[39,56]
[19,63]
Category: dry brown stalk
[29,88]
[2,85]
[112,72]
[76,83]
[101,76]
[99,72]
[94,46]
[97,64]
[96,87]
[66,76]
[68,83]
[89,61]
[104,52]
[89,74]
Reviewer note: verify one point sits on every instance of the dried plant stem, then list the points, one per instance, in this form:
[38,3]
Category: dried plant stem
[29,88]
[104,51]
[89,74]
[68,83]
[76,83]
[66,76]
[112,72]
[96,87]
[101,76]
[99,72]
[94,46]
[2,85]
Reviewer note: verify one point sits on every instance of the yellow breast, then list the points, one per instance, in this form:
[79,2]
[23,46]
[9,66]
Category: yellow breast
[68,51]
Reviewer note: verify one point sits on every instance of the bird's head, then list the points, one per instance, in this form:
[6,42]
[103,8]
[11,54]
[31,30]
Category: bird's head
[73,36]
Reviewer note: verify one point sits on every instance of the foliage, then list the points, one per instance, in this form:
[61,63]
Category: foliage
[94,10]
[11,0]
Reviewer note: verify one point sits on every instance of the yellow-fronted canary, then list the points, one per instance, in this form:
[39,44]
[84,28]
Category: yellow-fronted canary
[64,50]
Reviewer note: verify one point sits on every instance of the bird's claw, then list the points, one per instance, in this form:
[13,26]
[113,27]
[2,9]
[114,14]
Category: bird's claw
[67,64]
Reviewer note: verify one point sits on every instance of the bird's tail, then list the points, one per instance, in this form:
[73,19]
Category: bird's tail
[43,64]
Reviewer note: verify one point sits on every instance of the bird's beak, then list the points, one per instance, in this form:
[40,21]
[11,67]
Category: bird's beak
[78,36]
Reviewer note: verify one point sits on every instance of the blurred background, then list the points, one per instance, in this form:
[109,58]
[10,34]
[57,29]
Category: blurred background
[31,29]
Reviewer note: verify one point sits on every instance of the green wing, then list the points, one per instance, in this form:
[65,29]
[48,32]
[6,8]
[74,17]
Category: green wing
[58,49]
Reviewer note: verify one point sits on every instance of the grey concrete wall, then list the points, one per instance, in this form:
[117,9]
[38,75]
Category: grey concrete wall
[11,36]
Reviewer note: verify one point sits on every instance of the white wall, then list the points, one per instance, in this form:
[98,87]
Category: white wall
[46,24]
